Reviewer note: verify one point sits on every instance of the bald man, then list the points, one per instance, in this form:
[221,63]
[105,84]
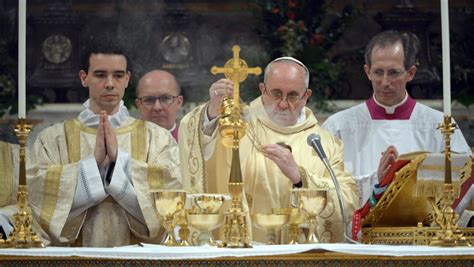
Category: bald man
[159,99]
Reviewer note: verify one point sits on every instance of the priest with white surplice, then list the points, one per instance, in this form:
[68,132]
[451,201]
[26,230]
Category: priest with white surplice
[389,123]
[90,178]
[274,155]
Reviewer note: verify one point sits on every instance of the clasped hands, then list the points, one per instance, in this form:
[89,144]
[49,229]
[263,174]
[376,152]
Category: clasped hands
[106,146]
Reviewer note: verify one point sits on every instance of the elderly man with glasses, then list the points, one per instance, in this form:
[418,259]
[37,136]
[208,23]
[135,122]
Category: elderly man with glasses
[159,99]
[274,154]
[390,122]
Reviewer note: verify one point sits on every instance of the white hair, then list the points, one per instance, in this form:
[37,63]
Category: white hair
[290,59]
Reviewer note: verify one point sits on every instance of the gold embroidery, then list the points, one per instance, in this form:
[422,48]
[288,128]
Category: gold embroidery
[155,177]
[138,140]
[50,194]
[73,140]
[303,176]
[6,174]
[195,157]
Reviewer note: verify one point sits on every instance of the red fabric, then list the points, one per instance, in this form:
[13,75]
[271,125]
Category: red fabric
[402,112]
[174,133]
[362,212]
[465,187]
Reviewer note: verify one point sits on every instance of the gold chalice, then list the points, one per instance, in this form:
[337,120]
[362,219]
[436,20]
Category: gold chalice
[271,223]
[313,202]
[167,203]
[205,216]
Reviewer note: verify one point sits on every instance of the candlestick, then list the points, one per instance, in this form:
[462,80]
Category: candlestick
[446,58]
[22,59]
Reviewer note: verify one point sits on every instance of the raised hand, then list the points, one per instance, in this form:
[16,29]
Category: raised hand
[284,160]
[217,91]
[100,151]
[388,158]
[111,143]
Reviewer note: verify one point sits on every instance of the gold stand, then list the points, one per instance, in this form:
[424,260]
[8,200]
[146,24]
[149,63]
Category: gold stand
[232,129]
[449,235]
[23,235]
[181,219]
[236,232]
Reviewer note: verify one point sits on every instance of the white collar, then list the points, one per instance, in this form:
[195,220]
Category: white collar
[91,119]
[391,109]
[172,128]
[302,116]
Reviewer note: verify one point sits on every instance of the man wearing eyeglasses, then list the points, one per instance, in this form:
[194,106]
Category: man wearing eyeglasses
[159,99]
[274,154]
[390,122]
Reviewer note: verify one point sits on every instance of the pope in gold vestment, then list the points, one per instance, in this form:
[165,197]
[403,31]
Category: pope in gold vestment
[205,165]
[53,176]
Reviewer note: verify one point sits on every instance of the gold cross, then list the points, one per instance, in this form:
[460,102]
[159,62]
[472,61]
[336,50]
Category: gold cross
[237,70]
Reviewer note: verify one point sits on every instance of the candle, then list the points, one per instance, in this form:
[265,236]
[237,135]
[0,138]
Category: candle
[446,62]
[22,59]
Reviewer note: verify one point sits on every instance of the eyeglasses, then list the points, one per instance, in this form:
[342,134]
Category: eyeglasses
[277,95]
[391,74]
[165,100]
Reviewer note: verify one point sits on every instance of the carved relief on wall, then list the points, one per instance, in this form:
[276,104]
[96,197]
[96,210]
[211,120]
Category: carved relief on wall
[57,48]
[175,49]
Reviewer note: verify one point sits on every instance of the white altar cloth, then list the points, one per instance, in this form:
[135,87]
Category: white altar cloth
[158,252]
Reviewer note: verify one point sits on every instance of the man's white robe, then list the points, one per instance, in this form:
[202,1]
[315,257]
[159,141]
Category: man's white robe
[365,139]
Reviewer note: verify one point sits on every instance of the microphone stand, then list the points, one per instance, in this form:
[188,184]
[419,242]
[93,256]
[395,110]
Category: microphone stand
[314,141]
[339,198]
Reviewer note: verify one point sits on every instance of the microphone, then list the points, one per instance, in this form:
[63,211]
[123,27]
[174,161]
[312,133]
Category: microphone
[314,141]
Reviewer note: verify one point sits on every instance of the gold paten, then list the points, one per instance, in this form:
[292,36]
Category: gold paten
[23,235]
[232,129]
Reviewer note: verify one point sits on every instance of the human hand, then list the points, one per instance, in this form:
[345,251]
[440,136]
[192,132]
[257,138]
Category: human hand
[100,151]
[388,158]
[283,158]
[217,91]
[111,144]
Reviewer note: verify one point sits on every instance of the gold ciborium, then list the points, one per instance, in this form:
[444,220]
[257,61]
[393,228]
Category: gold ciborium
[271,223]
[313,203]
[205,216]
[208,203]
[167,203]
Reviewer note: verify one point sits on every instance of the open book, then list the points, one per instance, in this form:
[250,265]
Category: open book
[395,203]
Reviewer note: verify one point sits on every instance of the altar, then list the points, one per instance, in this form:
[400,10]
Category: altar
[275,255]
